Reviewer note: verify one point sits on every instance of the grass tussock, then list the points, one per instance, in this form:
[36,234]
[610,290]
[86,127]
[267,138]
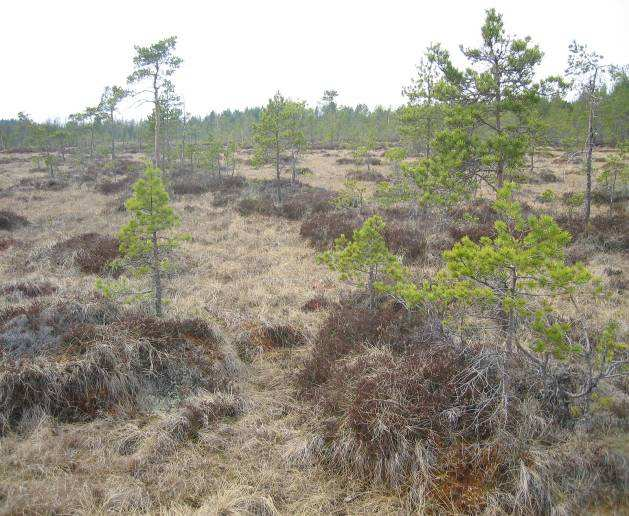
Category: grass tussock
[399,404]
[30,289]
[10,220]
[82,368]
[90,252]
[365,175]
[8,243]
[263,338]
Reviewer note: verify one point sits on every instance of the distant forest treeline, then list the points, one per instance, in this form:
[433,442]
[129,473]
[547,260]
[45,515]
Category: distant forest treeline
[561,123]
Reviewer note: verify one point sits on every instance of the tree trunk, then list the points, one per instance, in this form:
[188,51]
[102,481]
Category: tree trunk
[157,278]
[156,121]
[532,158]
[501,163]
[277,173]
[588,162]
[92,142]
[113,137]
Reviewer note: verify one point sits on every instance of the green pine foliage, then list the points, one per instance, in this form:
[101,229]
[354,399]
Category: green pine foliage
[365,259]
[146,240]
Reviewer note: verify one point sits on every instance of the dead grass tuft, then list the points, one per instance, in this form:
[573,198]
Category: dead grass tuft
[7,243]
[90,369]
[10,220]
[30,290]
[111,187]
[316,303]
[365,175]
[90,252]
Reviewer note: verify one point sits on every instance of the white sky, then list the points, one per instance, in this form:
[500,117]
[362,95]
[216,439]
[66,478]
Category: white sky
[57,56]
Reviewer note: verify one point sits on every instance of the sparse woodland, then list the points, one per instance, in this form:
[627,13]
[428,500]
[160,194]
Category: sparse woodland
[299,309]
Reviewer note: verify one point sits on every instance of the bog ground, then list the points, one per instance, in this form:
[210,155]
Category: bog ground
[206,412]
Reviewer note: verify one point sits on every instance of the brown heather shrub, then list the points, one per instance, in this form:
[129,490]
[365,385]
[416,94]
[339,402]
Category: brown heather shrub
[111,187]
[403,237]
[543,176]
[90,252]
[364,175]
[315,304]
[406,239]
[298,200]
[472,230]
[30,312]
[345,161]
[398,403]
[351,327]
[7,243]
[608,232]
[117,367]
[53,185]
[30,290]
[261,338]
[251,205]
[322,229]
[10,220]
[483,215]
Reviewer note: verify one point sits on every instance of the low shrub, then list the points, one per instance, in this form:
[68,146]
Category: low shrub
[262,338]
[30,290]
[405,239]
[322,229]
[364,175]
[189,186]
[90,252]
[350,327]
[92,368]
[111,187]
[398,403]
[298,201]
[345,161]
[252,205]
[608,232]
[10,220]
[7,243]
[315,304]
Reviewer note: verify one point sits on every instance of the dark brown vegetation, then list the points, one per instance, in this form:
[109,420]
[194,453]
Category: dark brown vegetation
[365,175]
[30,289]
[316,303]
[10,220]
[398,403]
[606,232]
[7,243]
[262,338]
[403,237]
[299,200]
[90,252]
[116,186]
[88,362]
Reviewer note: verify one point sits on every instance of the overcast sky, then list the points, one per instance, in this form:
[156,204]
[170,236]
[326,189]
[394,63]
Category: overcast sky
[57,56]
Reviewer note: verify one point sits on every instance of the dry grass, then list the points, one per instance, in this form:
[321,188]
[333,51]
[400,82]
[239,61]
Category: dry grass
[254,447]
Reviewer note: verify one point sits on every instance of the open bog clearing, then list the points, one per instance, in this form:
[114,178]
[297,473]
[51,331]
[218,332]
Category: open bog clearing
[311,305]
[210,417]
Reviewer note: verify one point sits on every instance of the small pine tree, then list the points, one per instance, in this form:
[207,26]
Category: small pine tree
[365,259]
[615,174]
[144,240]
[520,278]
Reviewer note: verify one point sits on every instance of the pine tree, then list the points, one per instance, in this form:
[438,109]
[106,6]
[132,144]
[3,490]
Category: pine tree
[365,259]
[145,240]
